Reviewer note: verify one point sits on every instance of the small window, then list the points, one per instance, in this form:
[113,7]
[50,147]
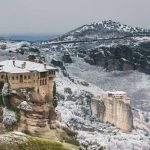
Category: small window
[13,78]
[50,78]
[29,77]
[25,77]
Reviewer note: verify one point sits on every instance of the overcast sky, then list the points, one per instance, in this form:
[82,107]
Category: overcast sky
[59,16]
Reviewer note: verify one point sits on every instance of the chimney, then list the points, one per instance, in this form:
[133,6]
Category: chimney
[23,65]
[45,65]
[13,60]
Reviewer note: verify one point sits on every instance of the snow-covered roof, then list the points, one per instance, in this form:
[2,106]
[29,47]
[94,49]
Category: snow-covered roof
[9,67]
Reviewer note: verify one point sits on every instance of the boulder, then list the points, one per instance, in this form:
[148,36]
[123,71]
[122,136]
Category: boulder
[66,58]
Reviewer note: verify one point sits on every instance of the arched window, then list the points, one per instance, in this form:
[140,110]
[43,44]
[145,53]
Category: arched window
[16,77]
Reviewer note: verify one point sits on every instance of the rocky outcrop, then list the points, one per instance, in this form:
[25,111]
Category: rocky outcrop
[98,109]
[112,58]
[37,115]
[121,57]
[58,63]
[66,58]
[114,109]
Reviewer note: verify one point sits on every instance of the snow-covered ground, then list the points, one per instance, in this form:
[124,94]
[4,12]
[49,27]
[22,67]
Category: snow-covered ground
[12,46]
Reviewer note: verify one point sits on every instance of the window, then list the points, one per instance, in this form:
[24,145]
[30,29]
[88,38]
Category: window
[50,78]
[25,77]
[21,78]
[28,77]
[16,77]
[43,74]
[2,76]
[13,78]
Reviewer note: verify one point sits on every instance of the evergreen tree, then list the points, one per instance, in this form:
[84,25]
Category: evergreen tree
[5,94]
[55,102]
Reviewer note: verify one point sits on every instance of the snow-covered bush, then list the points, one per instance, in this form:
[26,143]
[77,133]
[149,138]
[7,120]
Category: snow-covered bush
[91,145]
[5,94]
[9,117]
[25,106]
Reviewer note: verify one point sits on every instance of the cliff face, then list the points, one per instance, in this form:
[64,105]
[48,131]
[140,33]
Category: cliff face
[98,109]
[118,113]
[37,114]
[113,110]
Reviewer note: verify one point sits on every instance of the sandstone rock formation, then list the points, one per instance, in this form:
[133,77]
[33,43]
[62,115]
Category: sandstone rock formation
[36,113]
[36,116]
[114,107]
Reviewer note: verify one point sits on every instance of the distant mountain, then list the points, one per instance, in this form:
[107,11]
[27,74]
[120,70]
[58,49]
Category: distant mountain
[104,29]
